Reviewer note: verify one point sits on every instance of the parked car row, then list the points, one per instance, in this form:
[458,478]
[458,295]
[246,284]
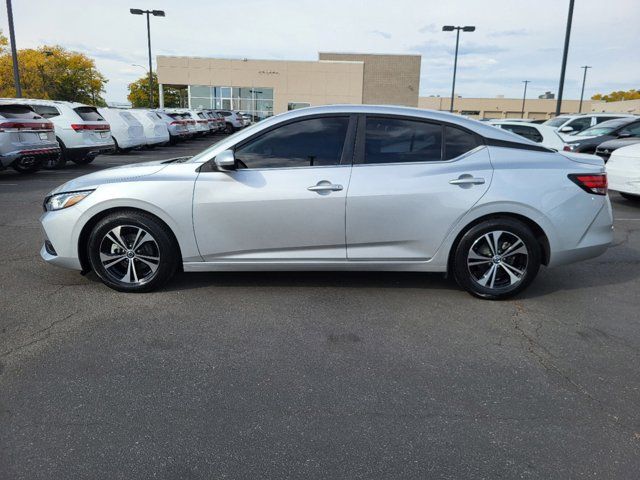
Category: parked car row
[38,134]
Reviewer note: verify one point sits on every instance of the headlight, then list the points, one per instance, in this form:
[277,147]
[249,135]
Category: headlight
[64,200]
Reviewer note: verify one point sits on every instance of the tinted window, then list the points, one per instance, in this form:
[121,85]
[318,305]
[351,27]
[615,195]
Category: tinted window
[307,143]
[89,114]
[580,123]
[47,111]
[556,122]
[17,111]
[390,140]
[604,119]
[531,133]
[458,142]
[633,129]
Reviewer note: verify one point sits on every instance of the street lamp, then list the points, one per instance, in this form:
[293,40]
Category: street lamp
[155,13]
[451,28]
[584,79]
[565,53]
[524,95]
[14,52]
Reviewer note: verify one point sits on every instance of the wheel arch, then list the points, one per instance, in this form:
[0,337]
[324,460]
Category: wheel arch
[538,232]
[83,238]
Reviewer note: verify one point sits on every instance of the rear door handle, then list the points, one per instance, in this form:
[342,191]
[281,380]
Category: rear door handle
[466,180]
[325,186]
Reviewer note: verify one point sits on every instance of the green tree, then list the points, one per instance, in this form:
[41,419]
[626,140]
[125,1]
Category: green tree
[632,94]
[139,94]
[52,72]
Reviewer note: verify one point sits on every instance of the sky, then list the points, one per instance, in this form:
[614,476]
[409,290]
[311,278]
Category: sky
[515,40]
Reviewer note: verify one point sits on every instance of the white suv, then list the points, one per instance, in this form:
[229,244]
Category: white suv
[80,130]
[567,125]
[233,120]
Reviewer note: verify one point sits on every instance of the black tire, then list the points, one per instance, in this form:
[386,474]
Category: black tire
[162,245]
[60,162]
[630,196]
[84,160]
[228,128]
[23,167]
[470,273]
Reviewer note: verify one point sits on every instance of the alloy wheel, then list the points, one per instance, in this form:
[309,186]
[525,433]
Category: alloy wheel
[498,259]
[129,254]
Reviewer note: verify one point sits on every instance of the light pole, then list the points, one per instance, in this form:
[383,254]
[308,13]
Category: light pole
[451,28]
[155,13]
[14,52]
[584,79]
[524,95]
[565,53]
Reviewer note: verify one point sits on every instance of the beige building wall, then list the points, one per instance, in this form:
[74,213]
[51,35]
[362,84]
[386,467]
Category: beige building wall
[388,79]
[534,108]
[623,106]
[313,82]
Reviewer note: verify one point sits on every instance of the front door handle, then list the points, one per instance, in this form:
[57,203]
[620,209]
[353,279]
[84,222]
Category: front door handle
[466,180]
[325,186]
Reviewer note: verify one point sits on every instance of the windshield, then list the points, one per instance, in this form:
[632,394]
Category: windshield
[603,128]
[556,122]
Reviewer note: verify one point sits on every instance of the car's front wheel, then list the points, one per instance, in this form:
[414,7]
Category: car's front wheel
[132,252]
[497,258]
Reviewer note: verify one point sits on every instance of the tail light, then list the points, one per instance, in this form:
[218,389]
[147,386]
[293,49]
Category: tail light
[26,126]
[176,122]
[596,184]
[83,126]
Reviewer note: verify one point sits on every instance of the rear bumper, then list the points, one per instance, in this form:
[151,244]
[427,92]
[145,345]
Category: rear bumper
[78,153]
[37,154]
[594,241]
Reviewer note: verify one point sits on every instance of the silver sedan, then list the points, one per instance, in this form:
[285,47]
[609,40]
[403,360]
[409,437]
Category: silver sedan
[339,188]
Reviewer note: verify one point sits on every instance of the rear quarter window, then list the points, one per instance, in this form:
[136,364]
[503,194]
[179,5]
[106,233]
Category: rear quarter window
[458,142]
[88,114]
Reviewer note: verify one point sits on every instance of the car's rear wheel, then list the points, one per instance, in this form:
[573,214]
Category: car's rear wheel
[132,252]
[497,259]
[228,128]
[84,160]
[27,165]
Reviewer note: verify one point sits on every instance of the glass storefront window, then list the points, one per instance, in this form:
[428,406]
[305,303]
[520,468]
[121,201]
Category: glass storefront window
[256,101]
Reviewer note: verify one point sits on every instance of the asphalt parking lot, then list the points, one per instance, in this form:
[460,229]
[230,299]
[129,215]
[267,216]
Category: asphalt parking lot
[313,375]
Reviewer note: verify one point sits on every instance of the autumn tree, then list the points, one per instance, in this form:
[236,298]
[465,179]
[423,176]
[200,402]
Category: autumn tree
[52,72]
[632,94]
[139,94]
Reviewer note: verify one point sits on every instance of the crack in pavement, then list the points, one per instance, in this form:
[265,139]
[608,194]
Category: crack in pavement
[47,333]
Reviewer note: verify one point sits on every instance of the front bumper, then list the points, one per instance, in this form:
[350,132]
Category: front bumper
[60,246]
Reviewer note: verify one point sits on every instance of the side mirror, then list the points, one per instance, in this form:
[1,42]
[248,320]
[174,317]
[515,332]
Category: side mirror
[566,129]
[225,160]
[624,134]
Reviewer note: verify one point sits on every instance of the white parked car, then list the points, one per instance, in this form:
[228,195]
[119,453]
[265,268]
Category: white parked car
[233,120]
[177,128]
[340,187]
[623,169]
[127,132]
[81,131]
[568,125]
[26,139]
[197,119]
[535,132]
[155,130]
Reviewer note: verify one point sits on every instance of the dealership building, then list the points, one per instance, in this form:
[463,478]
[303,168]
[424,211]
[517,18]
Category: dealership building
[267,87]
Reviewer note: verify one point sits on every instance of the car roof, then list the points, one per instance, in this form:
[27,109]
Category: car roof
[482,128]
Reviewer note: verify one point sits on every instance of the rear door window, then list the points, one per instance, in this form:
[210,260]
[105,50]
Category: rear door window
[604,119]
[396,140]
[89,114]
[18,111]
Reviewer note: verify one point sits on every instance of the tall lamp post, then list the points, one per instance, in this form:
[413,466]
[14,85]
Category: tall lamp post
[155,13]
[451,28]
[565,53]
[14,52]
[584,79]
[524,95]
